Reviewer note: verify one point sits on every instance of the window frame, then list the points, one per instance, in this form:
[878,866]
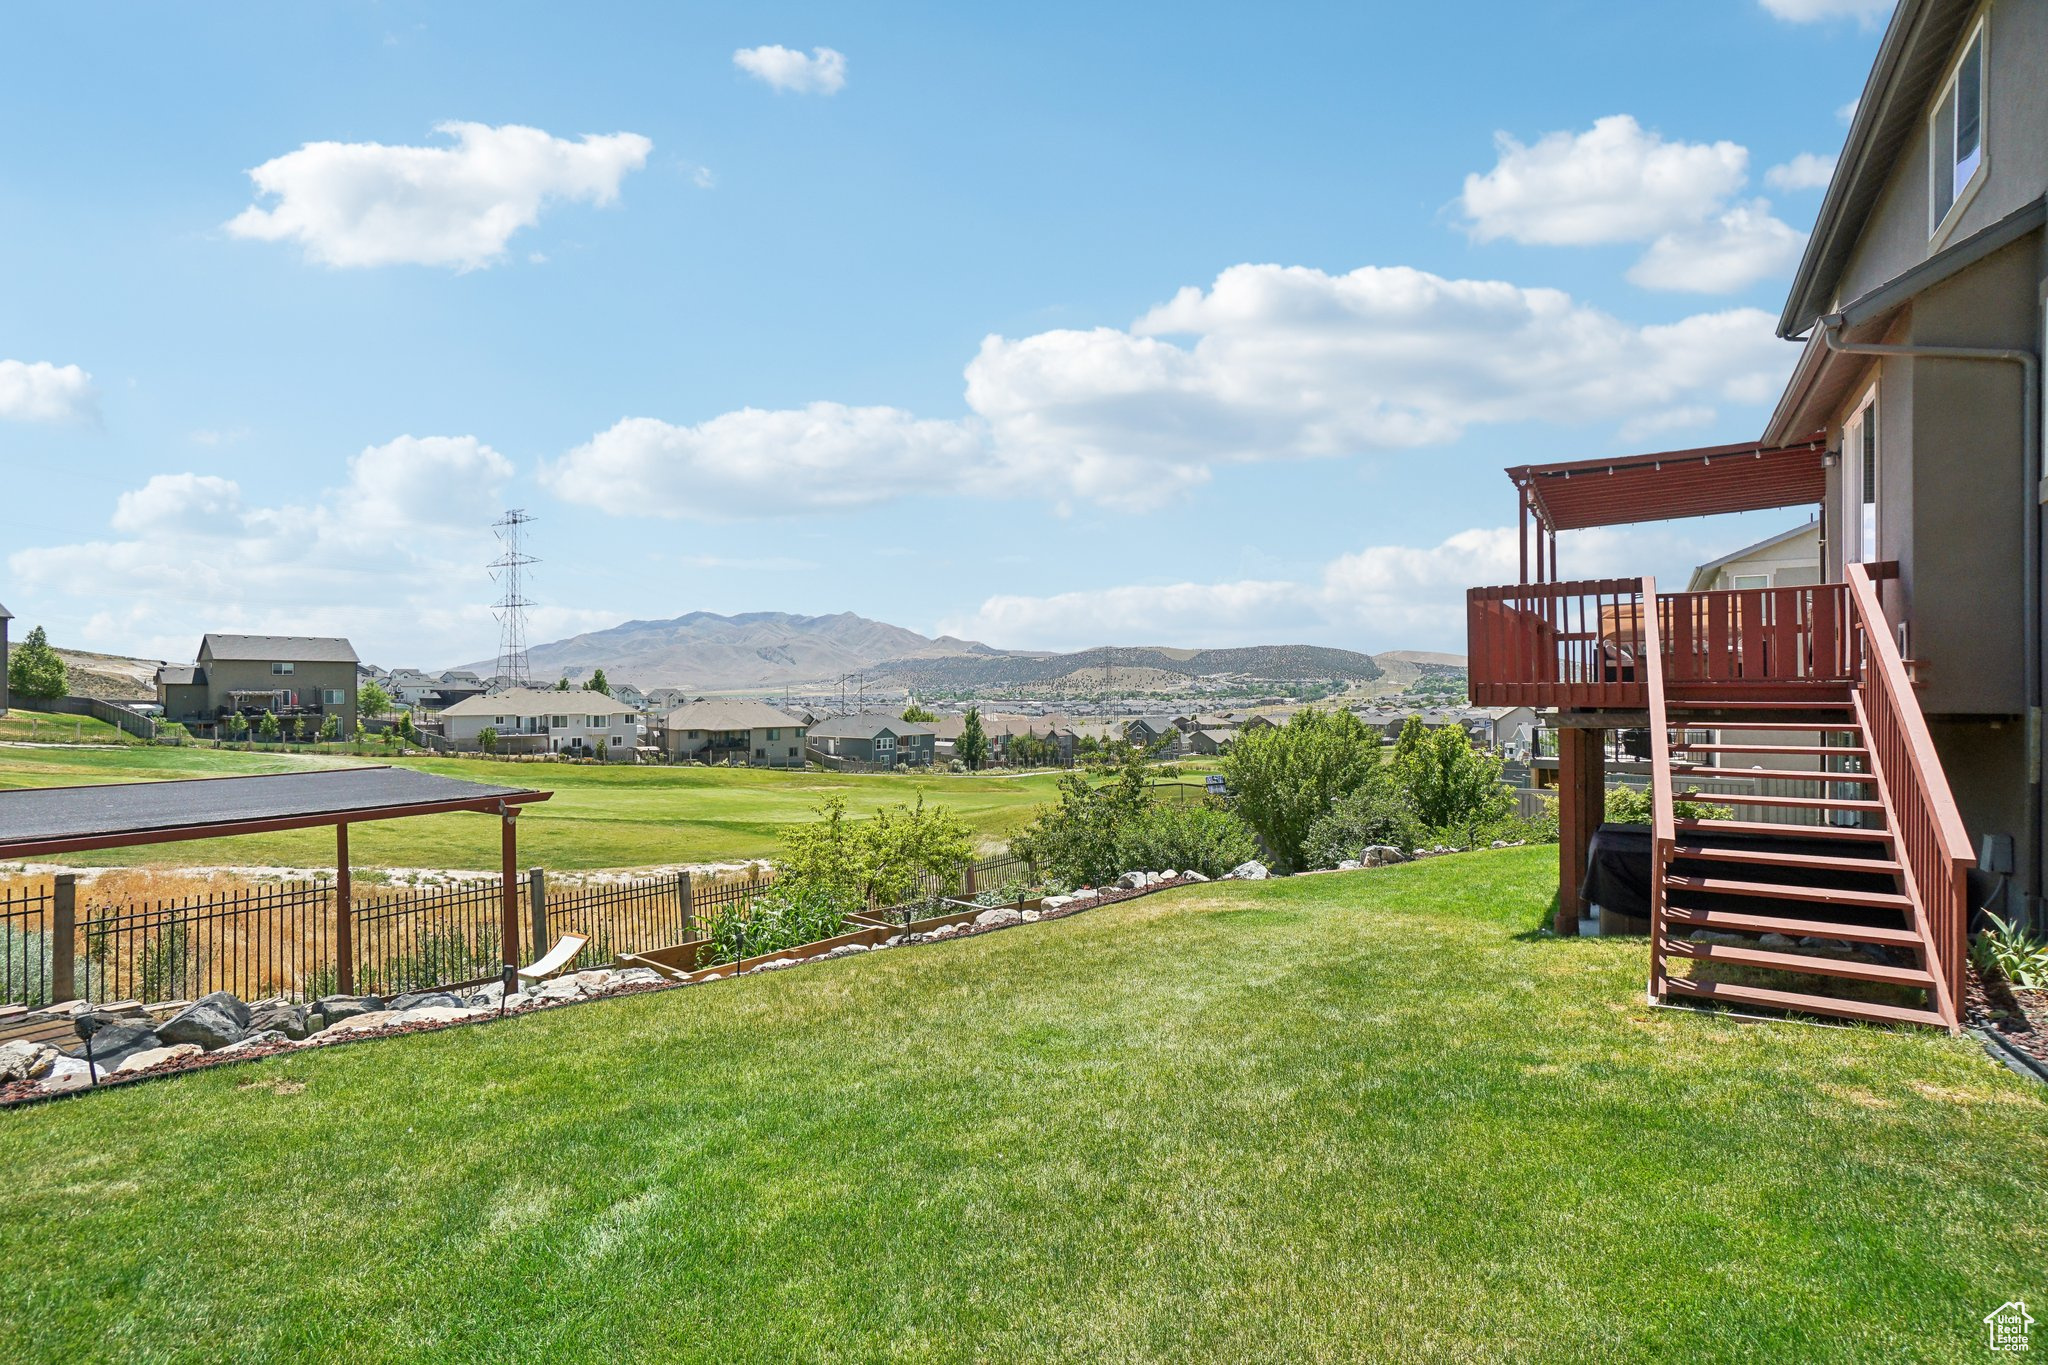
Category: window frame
[1940,224]
[1862,418]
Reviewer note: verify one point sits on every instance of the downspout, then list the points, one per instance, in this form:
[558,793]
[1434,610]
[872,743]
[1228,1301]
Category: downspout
[2030,552]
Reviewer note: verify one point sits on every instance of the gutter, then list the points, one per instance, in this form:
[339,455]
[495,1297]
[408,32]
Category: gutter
[1829,330]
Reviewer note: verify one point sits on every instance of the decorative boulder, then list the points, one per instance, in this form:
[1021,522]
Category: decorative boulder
[116,1041]
[66,1073]
[1379,855]
[1055,902]
[22,1060]
[1193,877]
[260,1038]
[1131,881]
[365,1022]
[285,1018]
[998,917]
[1168,875]
[415,999]
[207,1023]
[229,1004]
[1031,917]
[1349,865]
[157,1056]
[1253,871]
[335,1008]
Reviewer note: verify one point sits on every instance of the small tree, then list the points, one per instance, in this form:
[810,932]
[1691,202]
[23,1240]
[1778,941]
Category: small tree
[34,670]
[602,750]
[1287,778]
[372,699]
[330,728]
[914,714]
[563,685]
[297,729]
[405,727]
[598,683]
[237,727]
[1451,783]
[361,734]
[973,746]
[267,729]
[487,739]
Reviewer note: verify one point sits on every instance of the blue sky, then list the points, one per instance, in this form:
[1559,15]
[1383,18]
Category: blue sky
[1049,325]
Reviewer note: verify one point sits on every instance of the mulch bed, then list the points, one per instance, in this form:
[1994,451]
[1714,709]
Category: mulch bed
[24,1092]
[2017,1018]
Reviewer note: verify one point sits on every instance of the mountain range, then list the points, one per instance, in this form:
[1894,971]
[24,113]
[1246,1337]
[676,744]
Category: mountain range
[765,649]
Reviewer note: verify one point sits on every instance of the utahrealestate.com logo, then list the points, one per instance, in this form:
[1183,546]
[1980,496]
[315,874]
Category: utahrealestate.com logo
[2008,1324]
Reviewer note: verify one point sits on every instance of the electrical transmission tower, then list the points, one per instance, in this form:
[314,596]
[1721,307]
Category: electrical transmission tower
[507,570]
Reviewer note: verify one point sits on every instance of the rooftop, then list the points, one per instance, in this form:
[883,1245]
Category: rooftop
[735,713]
[311,649]
[524,702]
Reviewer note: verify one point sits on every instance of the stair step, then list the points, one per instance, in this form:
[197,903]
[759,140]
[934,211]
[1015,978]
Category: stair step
[1778,774]
[1818,862]
[1805,1004]
[1848,969]
[1774,726]
[1742,922]
[1765,827]
[1708,704]
[1778,891]
[1817,749]
[1790,802]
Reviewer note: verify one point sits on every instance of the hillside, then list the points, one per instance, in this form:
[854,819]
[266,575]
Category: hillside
[1130,669]
[706,651]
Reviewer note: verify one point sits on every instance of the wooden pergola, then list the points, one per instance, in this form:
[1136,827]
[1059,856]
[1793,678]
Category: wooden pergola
[40,821]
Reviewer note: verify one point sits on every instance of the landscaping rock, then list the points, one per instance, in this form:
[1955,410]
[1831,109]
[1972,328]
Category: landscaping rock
[364,1022]
[116,1041]
[1193,877]
[1030,916]
[1086,893]
[1779,941]
[282,1018]
[1349,865]
[66,1073]
[260,1038]
[647,976]
[439,1014]
[208,1023]
[22,1060]
[1716,936]
[1379,855]
[1253,871]
[562,988]
[1131,881]
[1168,875]
[998,917]
[335,1008]
[230,1004]
[415,999]
[157,1056]
[1055,902]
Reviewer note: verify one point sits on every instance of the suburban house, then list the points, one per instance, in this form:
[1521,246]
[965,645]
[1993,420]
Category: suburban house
[1912,425]
[738,732]
[874,738]
[1146,731]
[5,617]
[1790,559]
[526,720]
[1211,742]
[299,679]
[630,695]
[662,700]
[1511,731]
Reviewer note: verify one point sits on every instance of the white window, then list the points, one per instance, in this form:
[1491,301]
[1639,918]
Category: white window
[1744,582]
[279,670]
[1859,484]
[1956,135]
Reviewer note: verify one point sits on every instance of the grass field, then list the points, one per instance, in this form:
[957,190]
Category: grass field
[1365,1116]
[600,817]
[44,727]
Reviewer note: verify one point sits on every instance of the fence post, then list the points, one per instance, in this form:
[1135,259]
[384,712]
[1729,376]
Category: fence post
[967,887]
[537,907]
[344,916]
[685,897]
[63,943]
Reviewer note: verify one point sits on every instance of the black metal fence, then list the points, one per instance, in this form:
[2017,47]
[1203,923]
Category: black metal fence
[26,911]
[620,917]
[420,938]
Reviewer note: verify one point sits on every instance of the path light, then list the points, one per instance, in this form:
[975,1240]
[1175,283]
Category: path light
[86,1025]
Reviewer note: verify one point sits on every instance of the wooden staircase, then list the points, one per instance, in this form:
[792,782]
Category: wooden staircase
[1856,913]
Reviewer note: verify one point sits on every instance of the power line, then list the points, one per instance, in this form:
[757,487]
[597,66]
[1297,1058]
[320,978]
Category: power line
[507,570]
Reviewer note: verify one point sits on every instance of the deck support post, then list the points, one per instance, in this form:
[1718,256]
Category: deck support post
[537,907]
[508,925]
[344,915]
[1582,805]
[64,939]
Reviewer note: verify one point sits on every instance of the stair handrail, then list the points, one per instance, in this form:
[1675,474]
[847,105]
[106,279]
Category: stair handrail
[1663,829]
[1933,844]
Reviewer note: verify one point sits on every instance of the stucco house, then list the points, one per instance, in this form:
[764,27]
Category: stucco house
[876,738]
[527,720]
[734,731]
[297,678]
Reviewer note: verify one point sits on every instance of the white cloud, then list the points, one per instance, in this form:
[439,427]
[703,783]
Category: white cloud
[1727,253]
[822,72]
[392,558]
[1805,171]
[1847,112]
[1619,182]
[1269,363]
[368,204]
[1616,182]
[1869,13]
[1381,597]
[1639,430]
[37,391]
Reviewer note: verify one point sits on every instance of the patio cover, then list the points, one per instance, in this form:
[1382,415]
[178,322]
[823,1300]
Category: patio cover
[1704,482]
[43,820]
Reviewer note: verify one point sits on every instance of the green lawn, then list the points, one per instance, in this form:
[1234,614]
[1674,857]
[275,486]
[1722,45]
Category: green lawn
[600,817]
[1365,1116]
[46,727]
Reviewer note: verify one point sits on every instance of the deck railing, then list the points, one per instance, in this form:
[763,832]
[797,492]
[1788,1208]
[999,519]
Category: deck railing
[1663,827]
[1933,846]
[1581,644]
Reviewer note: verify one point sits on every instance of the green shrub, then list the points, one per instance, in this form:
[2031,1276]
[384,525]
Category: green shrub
[1632,806]
[878,861]
[788,915]
[1380,812]
[1288,778]
[1450,783]
[2007,950]
[1186,836]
